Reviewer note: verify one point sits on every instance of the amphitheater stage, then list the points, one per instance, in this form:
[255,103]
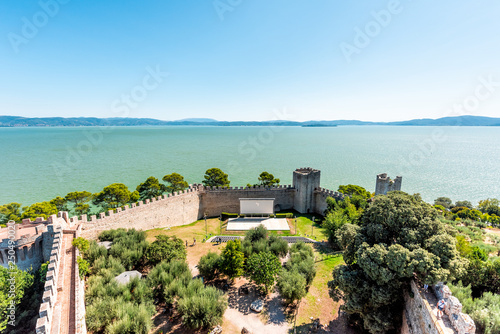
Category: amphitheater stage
[244,224]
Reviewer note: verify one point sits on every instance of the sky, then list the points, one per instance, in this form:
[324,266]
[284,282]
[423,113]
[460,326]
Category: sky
[250,60]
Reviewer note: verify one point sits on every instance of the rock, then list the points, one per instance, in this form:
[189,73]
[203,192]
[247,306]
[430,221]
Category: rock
[245,331]
[257,305]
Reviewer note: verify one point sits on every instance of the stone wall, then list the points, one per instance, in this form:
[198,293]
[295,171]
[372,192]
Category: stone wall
[52,278]
[419,318]
[216,201]
[33,245]
[164,211]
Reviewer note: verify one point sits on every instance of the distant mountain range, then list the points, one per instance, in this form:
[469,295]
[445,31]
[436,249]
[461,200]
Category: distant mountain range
[17,121]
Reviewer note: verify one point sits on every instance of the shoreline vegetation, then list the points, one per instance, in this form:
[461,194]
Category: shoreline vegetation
[18,121]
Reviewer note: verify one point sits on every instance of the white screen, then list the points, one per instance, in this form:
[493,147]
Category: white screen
[257,206]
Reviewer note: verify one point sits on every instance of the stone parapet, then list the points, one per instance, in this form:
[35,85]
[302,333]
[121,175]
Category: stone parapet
[49,297]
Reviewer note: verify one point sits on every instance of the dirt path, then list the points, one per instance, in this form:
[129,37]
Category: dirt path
[65,305]
[239,315]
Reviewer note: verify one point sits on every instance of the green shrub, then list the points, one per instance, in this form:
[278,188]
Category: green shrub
[226,215]
[263,269]
[165,278]
[209,265]
[83,267]
[165,248]
[278,246]
[292,285]
[203,309]
[94,252]
[485,311]
[256,234]
[81,243]
[284,215]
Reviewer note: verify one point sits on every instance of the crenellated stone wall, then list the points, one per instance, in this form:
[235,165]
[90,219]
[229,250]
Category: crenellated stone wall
[52,278]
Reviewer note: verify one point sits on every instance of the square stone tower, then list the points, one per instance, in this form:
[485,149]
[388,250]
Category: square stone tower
[385,184]
[305,181]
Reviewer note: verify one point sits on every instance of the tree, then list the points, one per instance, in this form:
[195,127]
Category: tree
[9,212]
[79,200]
[42,209]
[214,177]
[466,204]
[209,265]
[490,206]
[400,237]
[165,248]
[292,286]
[150,188]
[176,182]
[200,306]
[23,282]
[333,222]
[60,203]
[443,201]
[263,269]
[233,260]
[268,180]
[352,189]
[115,195]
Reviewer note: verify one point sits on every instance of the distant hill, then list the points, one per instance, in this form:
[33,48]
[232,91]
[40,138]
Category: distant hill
[17,121]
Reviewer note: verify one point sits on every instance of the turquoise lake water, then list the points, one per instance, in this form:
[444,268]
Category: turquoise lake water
[39,164]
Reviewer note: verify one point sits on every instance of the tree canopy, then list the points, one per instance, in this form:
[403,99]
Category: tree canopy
[150,188]
[268,179]
[263,268]
[399,238]
[232,259]
[42,209]
[175,182]
[115,195]
[352,189]
[9,212]
[214,177]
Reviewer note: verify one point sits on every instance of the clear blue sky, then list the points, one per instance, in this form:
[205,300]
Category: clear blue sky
[247,60]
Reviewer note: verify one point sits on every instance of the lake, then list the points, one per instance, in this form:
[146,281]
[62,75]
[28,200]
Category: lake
[39,164]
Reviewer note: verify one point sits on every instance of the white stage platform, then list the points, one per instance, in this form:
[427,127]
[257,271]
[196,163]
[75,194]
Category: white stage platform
[244,224]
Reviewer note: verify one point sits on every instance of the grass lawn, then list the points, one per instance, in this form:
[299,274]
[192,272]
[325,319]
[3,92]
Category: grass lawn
[317,303]
[304,227]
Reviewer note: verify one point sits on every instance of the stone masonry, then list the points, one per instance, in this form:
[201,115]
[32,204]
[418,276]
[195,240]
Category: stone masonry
[420,318]
[385,184]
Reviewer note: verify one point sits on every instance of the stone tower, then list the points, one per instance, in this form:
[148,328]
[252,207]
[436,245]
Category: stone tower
[305,181]
[385,184]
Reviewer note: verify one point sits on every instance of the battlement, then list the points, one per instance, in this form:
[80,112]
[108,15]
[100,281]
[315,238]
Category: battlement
[385,184]
[306,171]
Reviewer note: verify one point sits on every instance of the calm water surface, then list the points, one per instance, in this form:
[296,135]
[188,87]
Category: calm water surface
[38,164]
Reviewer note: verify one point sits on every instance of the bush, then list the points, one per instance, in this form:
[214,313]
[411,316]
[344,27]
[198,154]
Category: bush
[485,311]
[81,243]
[292,285]
[278,246]
[204,309]
[165,248]
[226,215]
[209,265]
[284,215]
[166,278]
[94,252]
[256,234]
[83,267]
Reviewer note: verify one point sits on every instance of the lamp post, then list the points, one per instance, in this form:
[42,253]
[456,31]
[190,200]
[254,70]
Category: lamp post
[312,225]
[206,228]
